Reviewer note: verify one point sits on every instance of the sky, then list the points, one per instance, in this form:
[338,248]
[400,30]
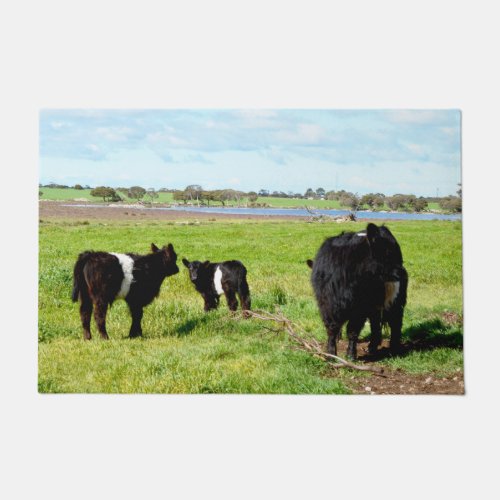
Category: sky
[362,151]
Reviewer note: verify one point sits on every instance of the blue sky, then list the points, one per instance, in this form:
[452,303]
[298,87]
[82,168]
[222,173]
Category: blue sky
[388,151]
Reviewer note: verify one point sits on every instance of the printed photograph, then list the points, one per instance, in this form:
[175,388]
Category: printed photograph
[250,251]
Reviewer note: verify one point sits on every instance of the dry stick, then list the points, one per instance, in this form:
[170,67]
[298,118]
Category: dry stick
[308,345]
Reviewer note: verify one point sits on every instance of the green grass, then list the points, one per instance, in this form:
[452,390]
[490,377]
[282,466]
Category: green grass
[185,350]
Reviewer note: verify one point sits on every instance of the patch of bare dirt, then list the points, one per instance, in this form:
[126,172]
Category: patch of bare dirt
[399,382]
[73,210]
[396,381]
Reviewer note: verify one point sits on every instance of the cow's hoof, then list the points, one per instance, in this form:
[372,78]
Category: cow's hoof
[396,350]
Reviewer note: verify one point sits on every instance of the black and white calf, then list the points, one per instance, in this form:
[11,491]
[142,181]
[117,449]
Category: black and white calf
[101,277]
[213,279]
[360,276]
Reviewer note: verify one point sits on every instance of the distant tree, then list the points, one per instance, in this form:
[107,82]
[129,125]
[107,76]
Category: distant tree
[238,195]
[451,203]
[193,192]
[350,200]
[151,194]
[368,199]
[320,192]
[78,186]
[459,191]
[225,195]
[180,196]
[264,192]
[209,196]
[252,196]
[330,195]
[373,200]
[40,193]
[309,193]
[396,202]
[417,204]
[378,200]
[136,192]
[105,192]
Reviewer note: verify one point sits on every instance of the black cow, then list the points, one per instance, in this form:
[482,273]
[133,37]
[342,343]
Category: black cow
[101,277]
[213,279]
[360,276]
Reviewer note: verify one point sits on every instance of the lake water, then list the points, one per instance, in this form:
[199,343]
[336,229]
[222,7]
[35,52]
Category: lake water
[295,212]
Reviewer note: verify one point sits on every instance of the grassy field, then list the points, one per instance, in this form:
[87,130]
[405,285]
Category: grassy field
[185,350]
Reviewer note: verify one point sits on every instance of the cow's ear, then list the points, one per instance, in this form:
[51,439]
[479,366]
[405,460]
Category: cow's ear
[372,231]
[154,248]
[169,249]
[185,262]
[206,263]
[310,263]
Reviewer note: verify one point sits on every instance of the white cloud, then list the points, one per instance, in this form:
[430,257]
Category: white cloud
[416,116]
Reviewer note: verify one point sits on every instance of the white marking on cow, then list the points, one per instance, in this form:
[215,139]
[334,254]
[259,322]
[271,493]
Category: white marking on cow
[127,264]
[360,234]
[391,292]
[218,281]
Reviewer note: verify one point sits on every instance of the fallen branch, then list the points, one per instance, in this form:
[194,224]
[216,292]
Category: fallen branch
[310,345]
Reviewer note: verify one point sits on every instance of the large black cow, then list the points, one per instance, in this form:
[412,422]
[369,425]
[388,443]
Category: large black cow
[213,279]
[360,276]
[101,277]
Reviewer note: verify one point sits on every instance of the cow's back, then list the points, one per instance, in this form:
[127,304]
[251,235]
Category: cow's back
[345,277]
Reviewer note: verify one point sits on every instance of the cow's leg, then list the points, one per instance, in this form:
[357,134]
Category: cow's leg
[211,302]
[376,335]
[85,316]
[100,310]
[333,330]
[244,295]
[136,313]
[232,303]
[395,321]
[353,328]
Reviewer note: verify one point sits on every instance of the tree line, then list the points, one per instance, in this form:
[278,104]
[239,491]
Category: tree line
[195,194]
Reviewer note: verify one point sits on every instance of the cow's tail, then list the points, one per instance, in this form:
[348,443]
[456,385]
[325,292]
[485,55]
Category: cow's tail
[79,284]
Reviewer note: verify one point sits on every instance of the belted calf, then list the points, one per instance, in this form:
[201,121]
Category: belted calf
[213,279]
[101,277]
[360,276]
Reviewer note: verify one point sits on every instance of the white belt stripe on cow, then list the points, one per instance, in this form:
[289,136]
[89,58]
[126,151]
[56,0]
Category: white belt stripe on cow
[391,292]
[218,281]
[127,264]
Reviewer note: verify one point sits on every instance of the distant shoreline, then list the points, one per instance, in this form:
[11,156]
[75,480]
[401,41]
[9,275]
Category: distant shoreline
[91,210]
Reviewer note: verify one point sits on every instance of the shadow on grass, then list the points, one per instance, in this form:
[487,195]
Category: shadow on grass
[424,336]
[190,324]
